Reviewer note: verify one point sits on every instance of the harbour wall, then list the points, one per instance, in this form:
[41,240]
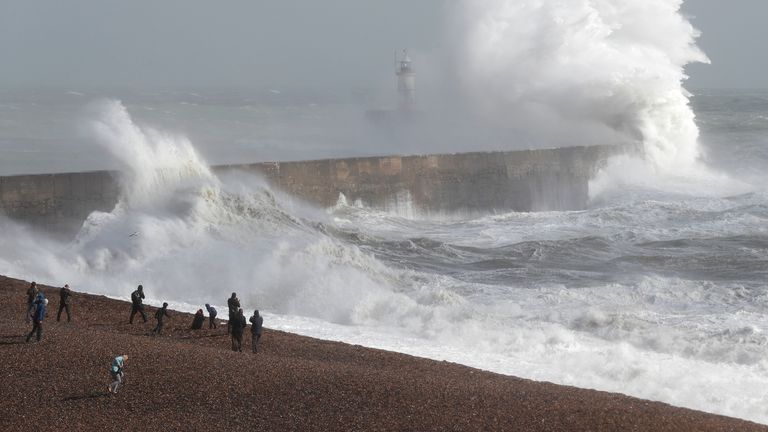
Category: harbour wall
[487,182]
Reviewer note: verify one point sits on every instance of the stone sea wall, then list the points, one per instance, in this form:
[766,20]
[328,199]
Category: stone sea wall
[58,202]
[531,180]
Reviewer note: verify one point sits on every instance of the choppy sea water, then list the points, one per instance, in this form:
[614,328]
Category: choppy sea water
[658,290]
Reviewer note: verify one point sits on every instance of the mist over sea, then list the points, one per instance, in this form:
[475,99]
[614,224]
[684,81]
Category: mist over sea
[657,290]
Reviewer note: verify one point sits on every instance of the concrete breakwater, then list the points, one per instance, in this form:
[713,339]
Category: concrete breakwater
[530,180]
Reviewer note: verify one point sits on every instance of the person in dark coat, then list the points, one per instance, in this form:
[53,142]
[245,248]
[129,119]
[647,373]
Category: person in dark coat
[238,326]
[137,304]
[256,323]
[65,299]
[31,297]
[211,316]
[159,316]
[38,317]
[198,320]
[233,303]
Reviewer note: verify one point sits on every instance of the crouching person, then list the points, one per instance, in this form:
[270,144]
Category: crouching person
[198,320]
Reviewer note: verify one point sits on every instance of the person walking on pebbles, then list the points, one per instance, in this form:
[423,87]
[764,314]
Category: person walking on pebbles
[37,319]
[238,325]
[65,295]
[159,316]
[31,297]
[256,323]
[116,371]
[137,304]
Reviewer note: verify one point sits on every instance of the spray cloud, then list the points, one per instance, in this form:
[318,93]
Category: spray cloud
[151,161]
[589,69]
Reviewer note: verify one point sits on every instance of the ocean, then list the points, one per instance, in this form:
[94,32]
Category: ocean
[657,290]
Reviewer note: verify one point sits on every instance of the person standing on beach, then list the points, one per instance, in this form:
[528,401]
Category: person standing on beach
[233,303]
[137,304]
[65,296]
[116,371]
[211,316]
[39,315]
[238,325]
[256,323]
[31,297]
[159,316]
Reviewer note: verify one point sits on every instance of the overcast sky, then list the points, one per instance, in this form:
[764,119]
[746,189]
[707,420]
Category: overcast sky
[308,43]
[733,36]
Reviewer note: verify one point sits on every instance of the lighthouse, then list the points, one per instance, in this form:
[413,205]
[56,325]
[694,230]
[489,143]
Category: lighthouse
[406,82]
[406,112]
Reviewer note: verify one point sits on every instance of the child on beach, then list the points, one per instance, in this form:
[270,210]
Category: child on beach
[116,371]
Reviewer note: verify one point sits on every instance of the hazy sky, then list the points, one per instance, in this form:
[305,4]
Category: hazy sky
[307,43]
[194,42]
[733,36]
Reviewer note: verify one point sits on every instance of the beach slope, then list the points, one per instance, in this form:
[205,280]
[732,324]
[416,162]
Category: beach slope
[191,380]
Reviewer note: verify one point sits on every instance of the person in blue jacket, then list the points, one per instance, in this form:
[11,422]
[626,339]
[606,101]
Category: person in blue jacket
[211,316]
[38,316]
[116,371]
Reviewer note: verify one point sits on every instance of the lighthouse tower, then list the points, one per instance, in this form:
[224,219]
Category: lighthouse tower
[406,83]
